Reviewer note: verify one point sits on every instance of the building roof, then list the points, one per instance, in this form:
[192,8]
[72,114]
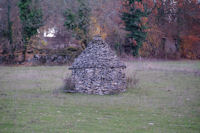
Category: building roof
[98,54]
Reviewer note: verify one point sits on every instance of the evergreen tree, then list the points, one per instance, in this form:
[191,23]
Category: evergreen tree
[132,13]
[78,22]
[31,20]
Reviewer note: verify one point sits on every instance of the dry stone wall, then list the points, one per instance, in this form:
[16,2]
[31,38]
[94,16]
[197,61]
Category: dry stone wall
[98,70]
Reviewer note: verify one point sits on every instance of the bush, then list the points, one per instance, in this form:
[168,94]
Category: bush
[132,81]
[68,86]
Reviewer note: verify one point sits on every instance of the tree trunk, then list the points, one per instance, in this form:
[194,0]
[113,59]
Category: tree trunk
[24,52]
[9,35]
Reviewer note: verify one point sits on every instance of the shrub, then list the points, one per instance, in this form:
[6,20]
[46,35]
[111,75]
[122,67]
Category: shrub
[132,81]
[68,86]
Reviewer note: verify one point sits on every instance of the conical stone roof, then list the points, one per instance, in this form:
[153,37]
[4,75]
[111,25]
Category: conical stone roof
[98,54]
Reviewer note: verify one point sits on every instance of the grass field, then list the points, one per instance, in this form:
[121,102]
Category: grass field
[165,100]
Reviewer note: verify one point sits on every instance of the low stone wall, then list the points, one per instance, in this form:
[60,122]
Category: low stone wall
[50,59]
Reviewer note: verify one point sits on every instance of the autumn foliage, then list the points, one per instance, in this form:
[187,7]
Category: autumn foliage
[177,20]
[147,28]
[190,36]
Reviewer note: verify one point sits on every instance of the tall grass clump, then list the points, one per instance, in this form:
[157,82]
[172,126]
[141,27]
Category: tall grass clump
[69,85]
[132,81]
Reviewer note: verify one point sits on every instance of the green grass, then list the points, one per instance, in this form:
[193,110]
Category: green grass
[166,100]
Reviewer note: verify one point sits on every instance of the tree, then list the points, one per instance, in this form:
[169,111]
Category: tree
[179,20]
[132,14]
[188,23]
[9,23]
[9,30]
[78,22]
[31,20]
[8,14]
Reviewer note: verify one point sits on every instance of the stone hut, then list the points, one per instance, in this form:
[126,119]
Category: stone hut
[98,70]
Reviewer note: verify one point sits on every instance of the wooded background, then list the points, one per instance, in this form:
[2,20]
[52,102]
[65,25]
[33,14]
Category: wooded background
[168,29]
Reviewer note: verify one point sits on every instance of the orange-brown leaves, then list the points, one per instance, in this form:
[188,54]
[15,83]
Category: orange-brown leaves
[125,6]
[190,46]
[96,29]
[144,20]
[149,3]
[138,5]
